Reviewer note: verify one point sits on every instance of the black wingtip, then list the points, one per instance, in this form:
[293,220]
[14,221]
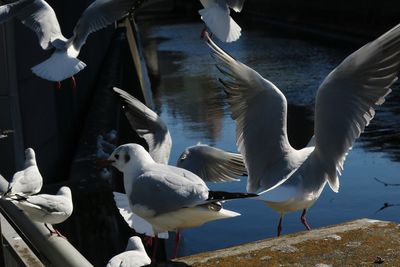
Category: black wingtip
[222,195]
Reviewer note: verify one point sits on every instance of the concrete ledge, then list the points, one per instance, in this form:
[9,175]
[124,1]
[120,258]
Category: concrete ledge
[356,243]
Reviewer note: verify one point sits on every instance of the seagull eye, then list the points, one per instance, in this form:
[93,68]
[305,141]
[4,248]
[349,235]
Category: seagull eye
[127,158]
[116,156]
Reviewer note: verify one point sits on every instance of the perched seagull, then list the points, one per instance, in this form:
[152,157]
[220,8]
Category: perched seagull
[216,15]
[134,256]
[5,133]
[211,164]
[288,179]
[47,209]
[41,18]
[29,181]
[168,197]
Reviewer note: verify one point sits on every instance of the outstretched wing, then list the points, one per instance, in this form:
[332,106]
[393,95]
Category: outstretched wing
[98,15]
[259,109]
[9,11]
[148,126]
[40,17]
[212,164]
[347,98]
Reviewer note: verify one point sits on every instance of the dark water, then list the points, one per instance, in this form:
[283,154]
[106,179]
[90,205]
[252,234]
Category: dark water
[192,103]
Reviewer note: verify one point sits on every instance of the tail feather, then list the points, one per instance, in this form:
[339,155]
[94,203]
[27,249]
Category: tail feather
[221,195]
[58,67]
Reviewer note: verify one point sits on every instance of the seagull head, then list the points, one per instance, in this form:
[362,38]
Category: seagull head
[65,191]
[129,156]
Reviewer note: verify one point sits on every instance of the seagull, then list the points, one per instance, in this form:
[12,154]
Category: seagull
[28,181]
[216,15]
[41,18]
[168,197]
[47,209]
[134,256]
[288,179]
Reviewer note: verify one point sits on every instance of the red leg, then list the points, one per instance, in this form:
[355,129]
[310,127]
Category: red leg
[148,240]
[155,245]
[177,241]
[57,85]
[73,82]
[280,225]
[203,33]
[304,220]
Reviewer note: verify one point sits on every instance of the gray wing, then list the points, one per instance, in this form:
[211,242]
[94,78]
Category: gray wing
[98,15]
[11,10]
[236,5]
[212,164]
[162,192]
[347,98]
[49,203]
[259,109]
[41,18]
[149,126]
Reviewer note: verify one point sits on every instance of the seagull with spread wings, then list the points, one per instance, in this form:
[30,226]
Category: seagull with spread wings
[288,179]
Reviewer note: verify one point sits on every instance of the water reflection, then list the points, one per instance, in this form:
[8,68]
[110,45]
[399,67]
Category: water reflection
[192,103]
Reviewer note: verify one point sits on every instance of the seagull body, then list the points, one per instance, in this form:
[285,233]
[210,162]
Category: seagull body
[168,197]
[134,256]
[288,179]
[216,15]
[164,194]
[28,181]
[44,208]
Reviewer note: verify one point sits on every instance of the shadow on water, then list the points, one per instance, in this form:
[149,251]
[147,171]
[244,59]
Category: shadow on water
[192,103]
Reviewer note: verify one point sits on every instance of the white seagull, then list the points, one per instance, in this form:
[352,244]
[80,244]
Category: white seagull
[28,181]
[168,197]
[47,209]
[288,179]
[216,15]
[41,18]
[134,256]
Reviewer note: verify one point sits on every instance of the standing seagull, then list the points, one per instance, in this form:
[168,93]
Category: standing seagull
[47,209]
[216,15]
[134,256]
[29,181]
[294,179]
[168,197]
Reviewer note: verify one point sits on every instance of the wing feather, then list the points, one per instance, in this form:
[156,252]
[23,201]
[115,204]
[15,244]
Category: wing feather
[347,98]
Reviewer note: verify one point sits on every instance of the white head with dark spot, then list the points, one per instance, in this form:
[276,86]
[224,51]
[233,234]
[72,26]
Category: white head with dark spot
[129,157]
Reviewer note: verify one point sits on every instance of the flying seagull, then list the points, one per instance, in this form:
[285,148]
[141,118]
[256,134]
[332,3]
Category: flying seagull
[168,197]
[288,179]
